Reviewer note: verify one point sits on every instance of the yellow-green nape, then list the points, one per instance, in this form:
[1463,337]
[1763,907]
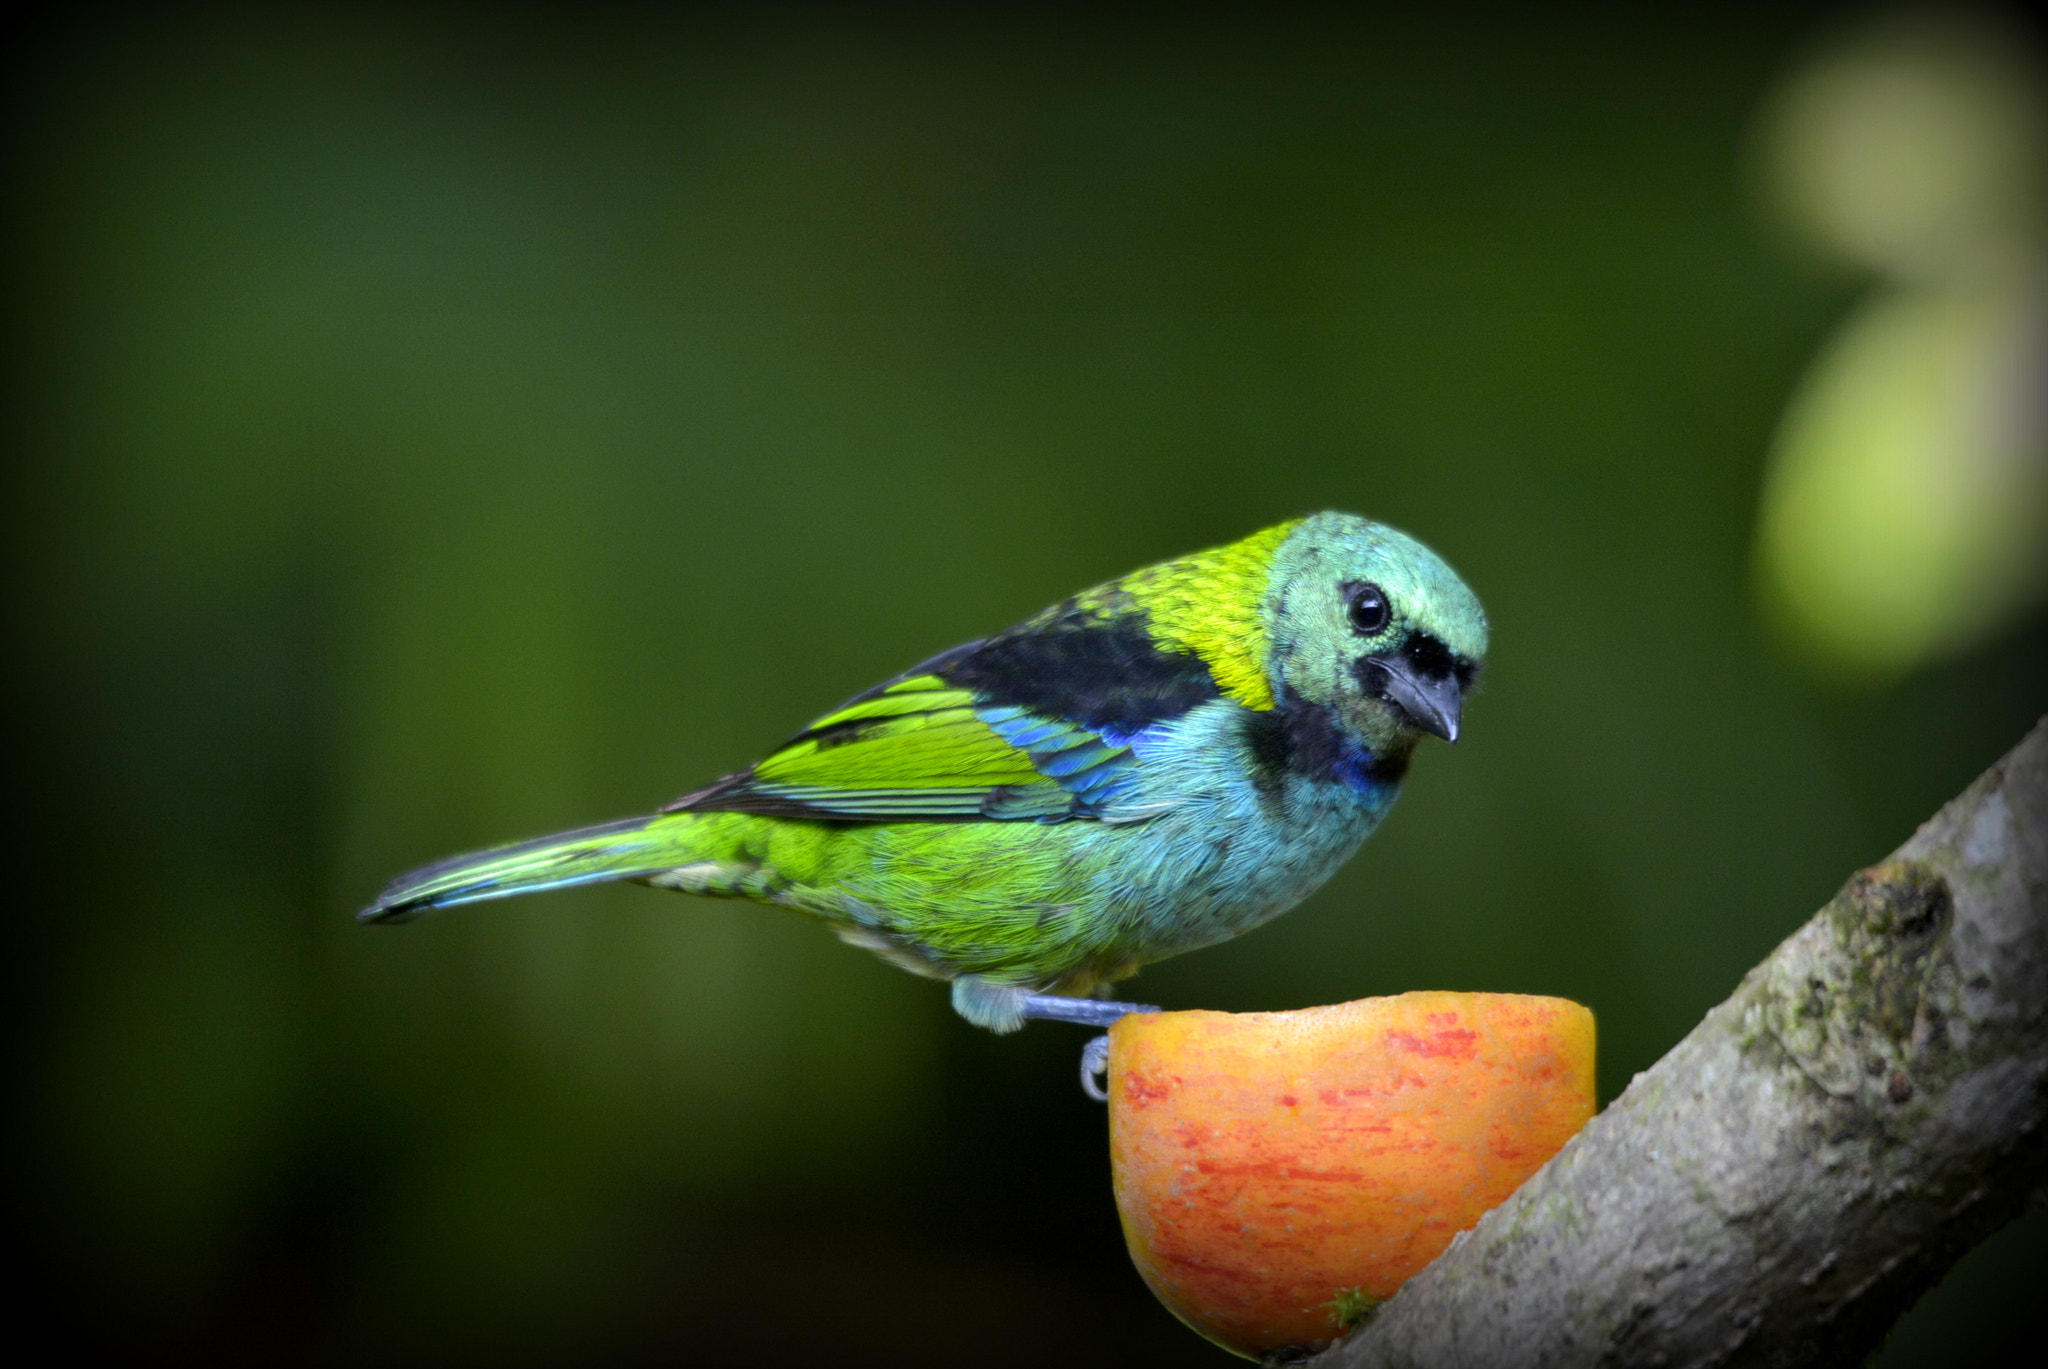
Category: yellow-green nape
[1212,605]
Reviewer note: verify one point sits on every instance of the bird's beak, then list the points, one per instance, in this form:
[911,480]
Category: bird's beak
[1431,703]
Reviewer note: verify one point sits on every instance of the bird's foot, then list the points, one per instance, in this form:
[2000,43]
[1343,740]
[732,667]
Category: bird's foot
[1002,1008]
[1095,1068]
[1086,1012]
[1006,1007]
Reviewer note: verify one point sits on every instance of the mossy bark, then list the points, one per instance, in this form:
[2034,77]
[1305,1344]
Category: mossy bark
[1866,1107]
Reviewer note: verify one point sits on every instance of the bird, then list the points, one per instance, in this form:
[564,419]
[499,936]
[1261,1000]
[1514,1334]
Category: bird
[1155,765]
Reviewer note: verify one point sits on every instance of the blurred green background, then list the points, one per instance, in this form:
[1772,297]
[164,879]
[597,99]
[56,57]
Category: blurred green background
[445,425]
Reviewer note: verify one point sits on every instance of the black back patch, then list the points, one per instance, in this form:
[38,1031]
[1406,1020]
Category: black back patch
[1104,672]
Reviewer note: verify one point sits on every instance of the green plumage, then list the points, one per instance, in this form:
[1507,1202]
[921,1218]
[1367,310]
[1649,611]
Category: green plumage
[1154,765]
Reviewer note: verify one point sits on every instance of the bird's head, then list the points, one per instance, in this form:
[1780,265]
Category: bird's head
[1372,625]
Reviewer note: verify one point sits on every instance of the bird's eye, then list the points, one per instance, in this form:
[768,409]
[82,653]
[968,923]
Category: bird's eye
[1368,607]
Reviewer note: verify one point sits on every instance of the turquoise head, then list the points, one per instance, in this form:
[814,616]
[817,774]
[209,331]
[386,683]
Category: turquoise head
[1369,624]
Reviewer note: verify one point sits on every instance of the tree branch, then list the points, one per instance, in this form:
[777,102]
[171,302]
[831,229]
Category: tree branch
[1779,1188]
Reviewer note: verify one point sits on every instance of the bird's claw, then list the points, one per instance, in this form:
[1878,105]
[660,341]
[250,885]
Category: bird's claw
[1094,1067]
[1086,1012]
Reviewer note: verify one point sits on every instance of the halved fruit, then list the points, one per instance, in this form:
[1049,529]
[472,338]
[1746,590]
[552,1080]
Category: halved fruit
[1280,1173]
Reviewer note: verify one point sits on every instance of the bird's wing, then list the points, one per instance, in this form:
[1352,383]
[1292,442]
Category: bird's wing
[1022,726]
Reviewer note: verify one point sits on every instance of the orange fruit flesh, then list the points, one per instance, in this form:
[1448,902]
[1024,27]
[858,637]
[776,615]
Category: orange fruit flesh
[1266,1164]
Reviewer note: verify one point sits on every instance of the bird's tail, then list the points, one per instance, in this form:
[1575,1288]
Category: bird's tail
[631,848]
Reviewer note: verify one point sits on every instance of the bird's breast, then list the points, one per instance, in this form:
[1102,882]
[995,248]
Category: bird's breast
[1242,840]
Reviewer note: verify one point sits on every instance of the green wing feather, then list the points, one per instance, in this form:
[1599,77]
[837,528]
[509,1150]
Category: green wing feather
[911,750]
[914,749]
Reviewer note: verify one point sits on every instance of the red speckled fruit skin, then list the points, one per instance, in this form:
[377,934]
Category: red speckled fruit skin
[1265,1161]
